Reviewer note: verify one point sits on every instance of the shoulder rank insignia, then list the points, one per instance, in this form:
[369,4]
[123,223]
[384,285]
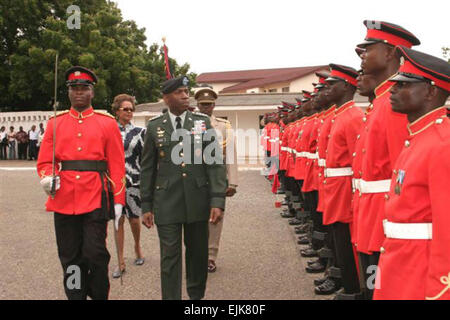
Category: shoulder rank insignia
[104,113]
[200,114]
[60,113]
[157,117]
[222,120]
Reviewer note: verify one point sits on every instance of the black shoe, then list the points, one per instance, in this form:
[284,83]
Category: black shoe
[287,214]
[303,240]
[304,227]
[308,253]
[341,295]
[313,261]
[318,282]
[300,232]
[328,287]
[315,268]
[294,222]
[280,191]
[284,203]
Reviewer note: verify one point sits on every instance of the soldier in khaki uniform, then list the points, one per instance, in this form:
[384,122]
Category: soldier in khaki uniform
[206,98]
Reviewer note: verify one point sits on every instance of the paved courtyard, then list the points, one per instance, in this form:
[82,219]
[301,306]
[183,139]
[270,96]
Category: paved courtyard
[258,257]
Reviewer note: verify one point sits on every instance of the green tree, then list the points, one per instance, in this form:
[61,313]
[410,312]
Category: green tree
[33,31]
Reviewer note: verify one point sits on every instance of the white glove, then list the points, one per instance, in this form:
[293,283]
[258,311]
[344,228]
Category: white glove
[47,183]
[118,212]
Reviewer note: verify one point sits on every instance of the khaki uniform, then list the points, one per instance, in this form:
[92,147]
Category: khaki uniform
[226,135]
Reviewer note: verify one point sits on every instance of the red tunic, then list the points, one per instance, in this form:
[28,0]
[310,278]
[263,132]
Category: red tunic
[83,136]
[291,144]
[322,142]
[284,158]
[385,136]
[357,167]
[302,142]
[419,269]
[311,147]
[338,190]
[274,139]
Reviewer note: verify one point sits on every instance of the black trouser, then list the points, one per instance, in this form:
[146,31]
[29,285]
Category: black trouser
[196,243]
[368,263]
[22,151]
[81,241]
[317,220]
[268,159]
[345,259]
[32,152]
[3,151]
[282,178]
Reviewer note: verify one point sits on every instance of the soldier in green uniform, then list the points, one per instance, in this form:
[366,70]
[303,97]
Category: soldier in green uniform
[182,189]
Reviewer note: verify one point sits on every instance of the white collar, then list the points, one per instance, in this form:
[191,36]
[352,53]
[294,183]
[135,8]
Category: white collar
[173,117]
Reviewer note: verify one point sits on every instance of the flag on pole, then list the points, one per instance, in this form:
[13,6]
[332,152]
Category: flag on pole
[166,60]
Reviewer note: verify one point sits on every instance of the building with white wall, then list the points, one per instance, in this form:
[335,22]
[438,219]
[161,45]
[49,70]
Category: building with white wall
[281,80]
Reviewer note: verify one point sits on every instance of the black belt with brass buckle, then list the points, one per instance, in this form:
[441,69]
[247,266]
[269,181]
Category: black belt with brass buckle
[101,167]
[84,165]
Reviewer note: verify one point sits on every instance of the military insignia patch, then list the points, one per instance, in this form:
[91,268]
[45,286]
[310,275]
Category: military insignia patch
[399,181]
[199,127]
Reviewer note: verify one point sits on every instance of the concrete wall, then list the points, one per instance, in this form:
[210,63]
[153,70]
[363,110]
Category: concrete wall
[25,119]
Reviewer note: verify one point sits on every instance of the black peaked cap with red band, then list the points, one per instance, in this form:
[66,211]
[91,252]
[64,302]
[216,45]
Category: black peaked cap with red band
[322,75]
[359,51]
[418,66]
[389,33]
[80,76]
[306,96]
[344,73]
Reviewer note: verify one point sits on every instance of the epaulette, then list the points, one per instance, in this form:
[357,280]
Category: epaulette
[104,113]
[60,113]
[200,114]
[157,117]
[223,120]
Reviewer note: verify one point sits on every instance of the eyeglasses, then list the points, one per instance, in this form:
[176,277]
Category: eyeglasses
[127,109]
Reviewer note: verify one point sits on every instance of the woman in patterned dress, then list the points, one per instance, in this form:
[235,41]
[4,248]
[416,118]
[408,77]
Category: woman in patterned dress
[133,141]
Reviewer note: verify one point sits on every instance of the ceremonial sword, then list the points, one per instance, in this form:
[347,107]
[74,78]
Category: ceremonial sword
[55,107]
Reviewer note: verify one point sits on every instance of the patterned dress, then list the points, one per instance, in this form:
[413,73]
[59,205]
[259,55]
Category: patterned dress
[133,141]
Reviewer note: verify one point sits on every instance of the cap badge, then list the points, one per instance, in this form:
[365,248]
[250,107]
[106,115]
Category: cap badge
[185,81]
[402,61]
[77,73]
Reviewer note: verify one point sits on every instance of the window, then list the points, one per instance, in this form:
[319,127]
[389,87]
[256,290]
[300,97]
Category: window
[285,89]
[272,90]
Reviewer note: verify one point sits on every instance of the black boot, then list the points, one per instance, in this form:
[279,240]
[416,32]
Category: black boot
[317,267]
[308,253]
[329,286]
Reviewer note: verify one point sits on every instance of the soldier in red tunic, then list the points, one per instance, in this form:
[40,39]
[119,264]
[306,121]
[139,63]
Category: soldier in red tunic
[415,257]
[345,128]
[88,189]
[384,133]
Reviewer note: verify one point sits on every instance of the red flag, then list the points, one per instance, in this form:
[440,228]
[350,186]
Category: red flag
[166,62]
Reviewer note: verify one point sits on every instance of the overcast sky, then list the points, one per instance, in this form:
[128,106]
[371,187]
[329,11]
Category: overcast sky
[258,34]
